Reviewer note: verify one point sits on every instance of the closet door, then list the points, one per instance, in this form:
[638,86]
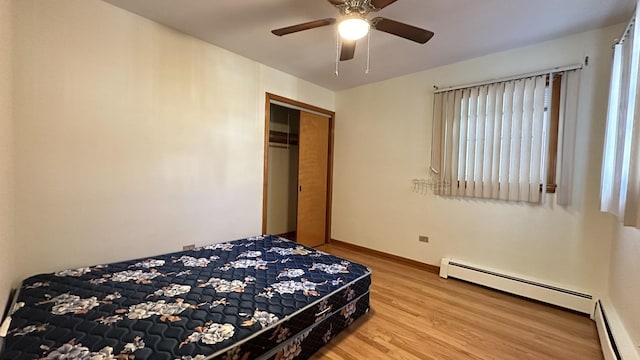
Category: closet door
[312,179]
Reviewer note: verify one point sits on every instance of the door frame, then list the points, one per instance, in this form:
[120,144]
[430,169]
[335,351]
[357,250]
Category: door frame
[331,115]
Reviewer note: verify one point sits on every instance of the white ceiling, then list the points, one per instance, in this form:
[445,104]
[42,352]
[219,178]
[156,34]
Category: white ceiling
[463,29]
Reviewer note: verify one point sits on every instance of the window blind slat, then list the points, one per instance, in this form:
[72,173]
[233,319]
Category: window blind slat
[481,120]
[497,136]
[449,134]
[505,143]
[546,135]
[536,173]
[471,142]
[516,143]
[487,162]
[436,136]
[569,115]
[455,144]
[525,141]
[462,154]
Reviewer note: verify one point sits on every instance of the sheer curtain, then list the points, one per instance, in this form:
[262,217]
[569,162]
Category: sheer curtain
[620,193]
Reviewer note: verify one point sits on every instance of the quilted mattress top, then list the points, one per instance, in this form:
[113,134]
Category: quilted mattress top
[186,305]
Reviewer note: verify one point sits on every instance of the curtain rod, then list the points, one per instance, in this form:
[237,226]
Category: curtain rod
[627,30]
[515,77]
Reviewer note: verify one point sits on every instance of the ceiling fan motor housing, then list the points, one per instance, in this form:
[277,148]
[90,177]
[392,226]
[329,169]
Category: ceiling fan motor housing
[360,8]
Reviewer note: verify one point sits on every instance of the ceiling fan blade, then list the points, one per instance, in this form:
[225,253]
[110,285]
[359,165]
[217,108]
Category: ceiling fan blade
[408,32]
[381,4]
[303,26]
[336,2]
[348,50]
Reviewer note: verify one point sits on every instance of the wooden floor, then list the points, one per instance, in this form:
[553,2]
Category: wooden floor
[417,315]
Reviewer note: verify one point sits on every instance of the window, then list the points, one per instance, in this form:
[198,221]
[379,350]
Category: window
[500,140]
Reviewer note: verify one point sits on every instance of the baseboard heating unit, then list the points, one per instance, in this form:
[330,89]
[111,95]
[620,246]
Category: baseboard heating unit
[615,340]
[607,342]
[517,285]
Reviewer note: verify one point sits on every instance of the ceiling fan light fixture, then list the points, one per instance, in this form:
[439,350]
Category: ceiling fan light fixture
[353,28]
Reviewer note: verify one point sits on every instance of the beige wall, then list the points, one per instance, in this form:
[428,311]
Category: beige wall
[6,157]
[382,141]
[132,139]
[624,283]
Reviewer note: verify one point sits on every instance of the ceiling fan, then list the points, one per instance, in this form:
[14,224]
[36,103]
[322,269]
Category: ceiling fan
[353,24]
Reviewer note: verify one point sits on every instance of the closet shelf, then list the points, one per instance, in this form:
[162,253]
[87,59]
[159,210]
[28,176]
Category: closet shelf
[281,137]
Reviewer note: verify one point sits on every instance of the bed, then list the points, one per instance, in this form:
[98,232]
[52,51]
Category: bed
[262,297]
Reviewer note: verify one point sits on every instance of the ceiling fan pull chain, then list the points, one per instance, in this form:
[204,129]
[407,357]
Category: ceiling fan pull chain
[368,51]
[337,53]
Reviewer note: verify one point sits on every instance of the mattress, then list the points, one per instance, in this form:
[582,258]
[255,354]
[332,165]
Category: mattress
[257,298]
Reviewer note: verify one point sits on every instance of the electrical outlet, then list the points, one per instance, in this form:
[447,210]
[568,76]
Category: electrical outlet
[423,238]
[189,247]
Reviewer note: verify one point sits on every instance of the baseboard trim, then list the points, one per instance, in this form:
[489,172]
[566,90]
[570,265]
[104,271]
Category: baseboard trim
[607,342]
[616,342]
[518,284]
[399,259]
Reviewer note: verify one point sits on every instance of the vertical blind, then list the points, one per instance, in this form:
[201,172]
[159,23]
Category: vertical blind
[619,193]
[569,127]
[491,141]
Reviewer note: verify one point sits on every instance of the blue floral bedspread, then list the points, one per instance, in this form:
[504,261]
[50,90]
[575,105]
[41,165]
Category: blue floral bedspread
[186,305]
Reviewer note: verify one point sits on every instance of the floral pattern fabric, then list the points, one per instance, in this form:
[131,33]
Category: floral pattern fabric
[220,293]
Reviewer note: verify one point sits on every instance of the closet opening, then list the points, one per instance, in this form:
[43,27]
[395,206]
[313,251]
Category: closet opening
[282,204]
[298,166]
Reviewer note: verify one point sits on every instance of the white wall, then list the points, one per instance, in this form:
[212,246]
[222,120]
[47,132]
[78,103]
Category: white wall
[132,139]
[6,156]
[382,141]
[624,282]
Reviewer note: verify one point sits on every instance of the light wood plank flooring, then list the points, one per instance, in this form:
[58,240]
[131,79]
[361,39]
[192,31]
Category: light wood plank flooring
[417,315]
